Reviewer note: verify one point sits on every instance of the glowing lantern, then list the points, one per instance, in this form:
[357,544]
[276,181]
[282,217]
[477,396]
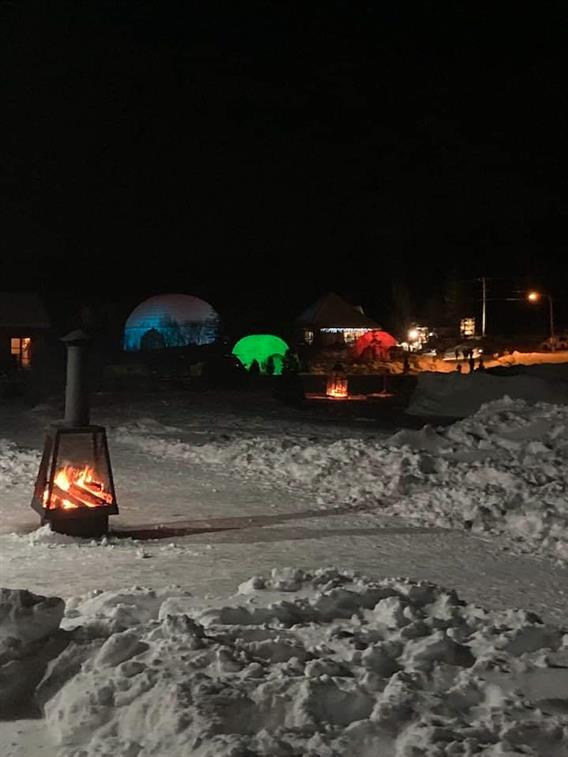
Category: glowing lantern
[336,387]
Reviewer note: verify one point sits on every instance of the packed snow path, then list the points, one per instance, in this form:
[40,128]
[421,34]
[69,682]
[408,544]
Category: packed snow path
[221,528]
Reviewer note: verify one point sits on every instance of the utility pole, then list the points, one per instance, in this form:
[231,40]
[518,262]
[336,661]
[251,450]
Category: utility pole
[535,297]
[551,315]
[483,309]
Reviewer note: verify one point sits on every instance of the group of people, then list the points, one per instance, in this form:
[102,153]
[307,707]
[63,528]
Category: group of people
[468,355]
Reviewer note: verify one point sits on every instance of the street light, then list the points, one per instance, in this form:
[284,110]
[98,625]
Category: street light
[535,297]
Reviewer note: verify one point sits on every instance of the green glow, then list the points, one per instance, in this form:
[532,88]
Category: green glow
[260,347]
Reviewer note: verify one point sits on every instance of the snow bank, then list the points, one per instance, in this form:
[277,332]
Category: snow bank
[323,663]
[27,617]
[17,466]
[457,396]
[547,371]
[504,470]
[29,637]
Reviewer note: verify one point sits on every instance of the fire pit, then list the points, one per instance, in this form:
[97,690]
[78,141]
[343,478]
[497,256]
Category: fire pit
[74,490]
[337,382]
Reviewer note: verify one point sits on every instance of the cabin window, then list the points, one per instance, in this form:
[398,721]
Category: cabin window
[351,335]
[308,336]
[21,349]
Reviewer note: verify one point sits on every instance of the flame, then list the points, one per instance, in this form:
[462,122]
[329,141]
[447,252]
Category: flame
[337,393]
[83,486]
[337,388]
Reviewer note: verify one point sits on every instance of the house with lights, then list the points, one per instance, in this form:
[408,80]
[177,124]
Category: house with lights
[332,320]
[23,323]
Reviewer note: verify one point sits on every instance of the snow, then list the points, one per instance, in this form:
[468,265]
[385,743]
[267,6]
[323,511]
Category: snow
[17,466]
[456,396]
[323,662]
[513,359]
[501,471]
[26,617]
[156,654]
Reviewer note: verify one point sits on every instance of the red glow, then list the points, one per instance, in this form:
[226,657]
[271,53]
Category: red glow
[374,344]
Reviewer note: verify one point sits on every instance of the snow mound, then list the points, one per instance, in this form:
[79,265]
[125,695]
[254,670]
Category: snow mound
[457,396]
[29,637]
[324,663]
[17,466]
[503,470]
[44,535]
[148,425]
[27,617]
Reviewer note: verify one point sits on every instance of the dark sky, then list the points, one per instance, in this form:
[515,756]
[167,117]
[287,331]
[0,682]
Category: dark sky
[232,149]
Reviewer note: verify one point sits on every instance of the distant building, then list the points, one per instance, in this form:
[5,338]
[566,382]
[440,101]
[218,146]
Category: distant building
[23,322]
[332,320]
[467,326]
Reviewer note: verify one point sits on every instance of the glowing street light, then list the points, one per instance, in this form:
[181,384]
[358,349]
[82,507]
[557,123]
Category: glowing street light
[535,297]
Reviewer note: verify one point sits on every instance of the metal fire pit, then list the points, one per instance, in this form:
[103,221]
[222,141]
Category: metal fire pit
[74,490]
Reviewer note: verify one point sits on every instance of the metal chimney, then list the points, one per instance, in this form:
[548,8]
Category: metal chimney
[76,389]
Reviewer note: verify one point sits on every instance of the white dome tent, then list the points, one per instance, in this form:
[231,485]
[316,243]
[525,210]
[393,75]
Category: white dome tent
[170,320]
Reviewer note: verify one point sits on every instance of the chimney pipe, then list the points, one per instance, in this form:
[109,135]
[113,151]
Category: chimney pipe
[76,391]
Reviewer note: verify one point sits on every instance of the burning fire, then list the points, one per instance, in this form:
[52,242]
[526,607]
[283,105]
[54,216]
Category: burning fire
[76,487]
[337,393]
[337,388]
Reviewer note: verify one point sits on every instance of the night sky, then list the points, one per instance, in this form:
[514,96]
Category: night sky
[232,149]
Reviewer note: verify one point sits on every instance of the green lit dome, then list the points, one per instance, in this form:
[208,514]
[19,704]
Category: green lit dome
[260,347]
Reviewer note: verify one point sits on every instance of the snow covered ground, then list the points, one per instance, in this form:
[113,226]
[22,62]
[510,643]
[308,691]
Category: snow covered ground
[320,663]
[515,358]
[459,395]
[232,491]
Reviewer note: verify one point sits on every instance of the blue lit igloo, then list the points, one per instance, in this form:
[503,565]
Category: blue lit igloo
[170,320]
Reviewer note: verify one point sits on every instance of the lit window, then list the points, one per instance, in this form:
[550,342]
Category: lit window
[21,349]
[351,335]
[308,336]
[467,326]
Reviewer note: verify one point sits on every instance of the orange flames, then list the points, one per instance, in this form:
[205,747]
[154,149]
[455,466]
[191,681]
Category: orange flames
[76,487]
[337,388]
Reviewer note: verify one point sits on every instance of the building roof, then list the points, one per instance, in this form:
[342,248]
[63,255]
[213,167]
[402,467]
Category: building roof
[332,311]
[22,310]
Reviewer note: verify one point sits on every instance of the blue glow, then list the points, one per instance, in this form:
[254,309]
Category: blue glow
[170,321]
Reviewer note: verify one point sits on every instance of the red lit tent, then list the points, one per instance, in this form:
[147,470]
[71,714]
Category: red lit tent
[374,345]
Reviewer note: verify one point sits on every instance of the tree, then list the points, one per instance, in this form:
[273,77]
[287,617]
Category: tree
[457,303]
[291,363]
[269,366]
[254,368]
[402,308]
[433,310]
[290,388]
